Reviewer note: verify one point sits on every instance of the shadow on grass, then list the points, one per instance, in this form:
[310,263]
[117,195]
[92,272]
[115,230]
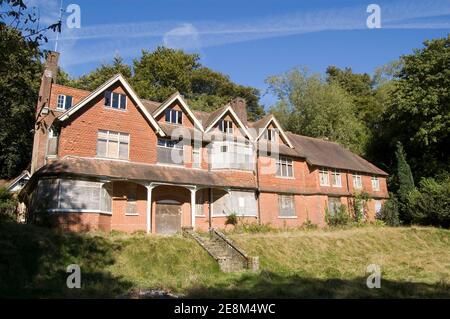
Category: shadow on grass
[271,285]
[33,262]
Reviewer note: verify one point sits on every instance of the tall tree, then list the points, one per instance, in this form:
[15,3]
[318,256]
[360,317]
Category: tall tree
[160,73]
[418,112]
[404,181]
[310,106]
[20,71]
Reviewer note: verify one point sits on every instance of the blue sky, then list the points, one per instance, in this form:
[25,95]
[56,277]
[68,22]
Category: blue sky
[248,40]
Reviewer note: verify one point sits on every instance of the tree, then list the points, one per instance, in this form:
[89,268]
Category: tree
[418,112]
[405,183]
[430,203]
[160,73]
[20,71]
[310,106]
[97,77]
[164,71]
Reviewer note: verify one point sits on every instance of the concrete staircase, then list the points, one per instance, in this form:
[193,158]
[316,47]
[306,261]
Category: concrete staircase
[229,257]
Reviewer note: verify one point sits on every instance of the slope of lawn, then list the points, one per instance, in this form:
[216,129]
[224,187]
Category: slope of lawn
[415,262]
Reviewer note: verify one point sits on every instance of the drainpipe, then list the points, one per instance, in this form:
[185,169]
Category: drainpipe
[257,187]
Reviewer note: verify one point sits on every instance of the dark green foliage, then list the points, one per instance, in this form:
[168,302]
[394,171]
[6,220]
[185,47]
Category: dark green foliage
[310,106]
[158,74]
[418,109]
[97,77]
[340,217]
[404,182]
[232,219]
[8,206]
[430,203]
[389,212]
[20,71]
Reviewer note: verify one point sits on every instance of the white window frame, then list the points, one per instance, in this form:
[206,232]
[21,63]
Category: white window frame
[118,146]
[357,181]
[93,184]
[111,101]
[280,203]
[323,172]
[178,115]
[376,186]
[226,126]
[63,102]
[336,176]
[270,135]
[286,162]
[196,156]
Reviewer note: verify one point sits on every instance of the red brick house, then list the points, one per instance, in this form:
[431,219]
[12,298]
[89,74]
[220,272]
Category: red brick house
[108,160]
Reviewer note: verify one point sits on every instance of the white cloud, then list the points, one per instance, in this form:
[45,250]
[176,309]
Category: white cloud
[182,37]
[77,45]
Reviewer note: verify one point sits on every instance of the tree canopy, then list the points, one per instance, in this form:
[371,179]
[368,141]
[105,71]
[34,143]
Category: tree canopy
[310,106]
[418,108]
[20,72]
[158,74]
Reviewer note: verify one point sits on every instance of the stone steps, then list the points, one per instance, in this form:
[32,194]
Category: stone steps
[229,257]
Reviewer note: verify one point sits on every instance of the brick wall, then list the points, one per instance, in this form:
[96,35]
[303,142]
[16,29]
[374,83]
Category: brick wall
[79,134]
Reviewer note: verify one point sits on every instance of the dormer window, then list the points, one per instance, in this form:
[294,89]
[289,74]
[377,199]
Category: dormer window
[115,100]
[226,126]
[269,134]
[64,102]
[174,116]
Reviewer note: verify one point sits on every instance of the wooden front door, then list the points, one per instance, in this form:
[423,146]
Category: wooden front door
[168,218]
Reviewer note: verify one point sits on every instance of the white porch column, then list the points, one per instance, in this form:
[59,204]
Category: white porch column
[193,191]
[149,207]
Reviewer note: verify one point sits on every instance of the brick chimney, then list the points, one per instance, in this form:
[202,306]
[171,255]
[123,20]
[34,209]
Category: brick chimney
[240,107]
[44,116]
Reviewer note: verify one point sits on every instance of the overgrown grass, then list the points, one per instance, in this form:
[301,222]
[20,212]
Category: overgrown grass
[415,262]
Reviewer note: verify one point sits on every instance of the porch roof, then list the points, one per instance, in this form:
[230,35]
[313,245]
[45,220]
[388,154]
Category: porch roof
[121,170]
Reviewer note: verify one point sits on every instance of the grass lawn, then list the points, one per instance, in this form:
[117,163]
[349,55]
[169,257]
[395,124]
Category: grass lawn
[415,262]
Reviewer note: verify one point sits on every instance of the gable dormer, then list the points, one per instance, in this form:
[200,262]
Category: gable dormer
[225,121]
[114,95]
[268,129]
[175,111]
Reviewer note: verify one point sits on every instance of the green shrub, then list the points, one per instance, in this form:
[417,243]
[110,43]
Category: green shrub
[8,205]
[339,218]
[389,212]
[232,219]
[430,203]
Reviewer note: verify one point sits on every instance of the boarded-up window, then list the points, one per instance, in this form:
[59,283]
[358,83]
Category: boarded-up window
[52,142]
[170,152]
[69,194]
[48,193]
[242,203]
[378,206]
[230,155]
[199,203]
[286,205]
[333,205]
[131,207]
[112,144]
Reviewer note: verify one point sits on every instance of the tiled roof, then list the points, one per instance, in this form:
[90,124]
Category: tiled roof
[329,154]
[143,172]
[316,151]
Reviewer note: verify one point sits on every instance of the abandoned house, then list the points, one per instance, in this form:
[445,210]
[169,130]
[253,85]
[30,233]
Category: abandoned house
[110,160]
